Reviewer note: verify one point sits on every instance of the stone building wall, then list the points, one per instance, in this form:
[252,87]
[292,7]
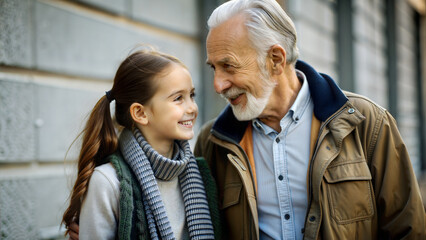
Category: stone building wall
[407,64]
[57,58]
[316,27]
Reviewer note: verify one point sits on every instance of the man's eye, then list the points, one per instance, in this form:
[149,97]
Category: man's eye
[226,66]
[193,95]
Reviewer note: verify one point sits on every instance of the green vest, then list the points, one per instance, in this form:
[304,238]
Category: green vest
[132,223]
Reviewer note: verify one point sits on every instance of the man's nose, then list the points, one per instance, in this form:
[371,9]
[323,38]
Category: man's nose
[221,82]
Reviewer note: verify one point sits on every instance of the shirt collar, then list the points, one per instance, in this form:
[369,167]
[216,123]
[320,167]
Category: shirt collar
[261,127]
[296,110]
[302,99]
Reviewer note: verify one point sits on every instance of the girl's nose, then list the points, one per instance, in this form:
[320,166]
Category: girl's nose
[192,108]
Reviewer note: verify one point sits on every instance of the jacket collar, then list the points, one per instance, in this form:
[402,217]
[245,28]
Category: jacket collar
[326,95]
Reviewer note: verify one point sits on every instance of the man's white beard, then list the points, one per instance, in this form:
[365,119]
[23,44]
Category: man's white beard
[254,106]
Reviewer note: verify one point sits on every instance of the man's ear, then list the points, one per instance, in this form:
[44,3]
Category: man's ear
[277,59]
[137,111]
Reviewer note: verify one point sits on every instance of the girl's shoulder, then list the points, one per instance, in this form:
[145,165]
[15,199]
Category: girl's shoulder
[100,209]
[106,169]
[106,176]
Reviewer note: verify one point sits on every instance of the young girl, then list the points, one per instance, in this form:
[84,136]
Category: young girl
[146,184]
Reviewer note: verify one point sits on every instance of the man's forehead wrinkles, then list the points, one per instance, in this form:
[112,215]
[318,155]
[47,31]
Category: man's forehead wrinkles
[223,59]
[221,53]
[220,44]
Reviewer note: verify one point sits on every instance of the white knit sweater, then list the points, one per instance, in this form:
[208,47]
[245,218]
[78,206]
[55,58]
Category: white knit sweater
[100,210]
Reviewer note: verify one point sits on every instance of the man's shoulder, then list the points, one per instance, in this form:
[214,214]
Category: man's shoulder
[202,140]
[363,103]
[374,114]
[207,126]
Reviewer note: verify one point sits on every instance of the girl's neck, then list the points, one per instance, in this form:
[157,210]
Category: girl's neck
[163,148]
[166,152]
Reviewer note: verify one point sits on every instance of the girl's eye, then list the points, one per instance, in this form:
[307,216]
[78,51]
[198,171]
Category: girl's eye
[178,98]
[193,95]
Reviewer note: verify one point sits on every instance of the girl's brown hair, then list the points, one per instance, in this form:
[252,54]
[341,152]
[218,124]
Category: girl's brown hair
[133,83]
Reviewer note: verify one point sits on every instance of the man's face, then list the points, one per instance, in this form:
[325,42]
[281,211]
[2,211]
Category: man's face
[237,76]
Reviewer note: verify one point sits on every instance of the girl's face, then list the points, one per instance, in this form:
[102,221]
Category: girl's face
[172,111]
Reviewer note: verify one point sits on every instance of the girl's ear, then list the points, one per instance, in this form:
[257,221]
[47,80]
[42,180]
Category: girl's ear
[137,111]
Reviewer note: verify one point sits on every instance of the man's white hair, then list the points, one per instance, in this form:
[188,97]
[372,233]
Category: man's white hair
[267,24]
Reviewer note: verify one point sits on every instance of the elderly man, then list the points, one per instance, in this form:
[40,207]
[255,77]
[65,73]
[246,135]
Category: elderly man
[293,155]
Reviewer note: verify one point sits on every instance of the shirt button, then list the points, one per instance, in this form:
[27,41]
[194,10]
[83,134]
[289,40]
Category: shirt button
[287,216]
[312,218]
[277,140]
[351,110]
[280,177]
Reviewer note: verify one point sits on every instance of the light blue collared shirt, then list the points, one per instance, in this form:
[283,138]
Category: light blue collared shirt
[281,162]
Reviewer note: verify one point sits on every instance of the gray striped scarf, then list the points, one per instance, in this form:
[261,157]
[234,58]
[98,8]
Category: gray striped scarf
[147,164]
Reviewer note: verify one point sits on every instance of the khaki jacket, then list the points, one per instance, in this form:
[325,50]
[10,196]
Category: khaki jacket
[360,182]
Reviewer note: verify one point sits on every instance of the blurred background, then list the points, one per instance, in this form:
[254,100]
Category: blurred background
[58,57]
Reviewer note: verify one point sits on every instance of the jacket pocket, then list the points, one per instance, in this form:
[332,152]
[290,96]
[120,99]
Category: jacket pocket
[231,195]
[350,193]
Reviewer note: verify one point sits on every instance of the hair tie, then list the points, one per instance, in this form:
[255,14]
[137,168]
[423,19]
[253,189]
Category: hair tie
[109,96]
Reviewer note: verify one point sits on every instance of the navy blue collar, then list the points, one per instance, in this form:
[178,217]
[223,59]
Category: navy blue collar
[326,95]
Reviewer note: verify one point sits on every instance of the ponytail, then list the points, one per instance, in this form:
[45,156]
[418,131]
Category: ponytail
[99,141]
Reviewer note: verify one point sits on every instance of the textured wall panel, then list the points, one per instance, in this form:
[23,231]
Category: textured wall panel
[62,113]
[316,30]
[370,76]
[407,104]
[15,33]
[178,15]
[370,51]
[17,133]
[317,48]
[32,204]
[52,194]
[80,43]
[17,212]
[115,6]
[313,11]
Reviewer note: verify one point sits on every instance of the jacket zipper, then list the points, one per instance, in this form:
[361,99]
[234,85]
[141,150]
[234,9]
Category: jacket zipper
[314,156]
[224,138]
[227,139]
